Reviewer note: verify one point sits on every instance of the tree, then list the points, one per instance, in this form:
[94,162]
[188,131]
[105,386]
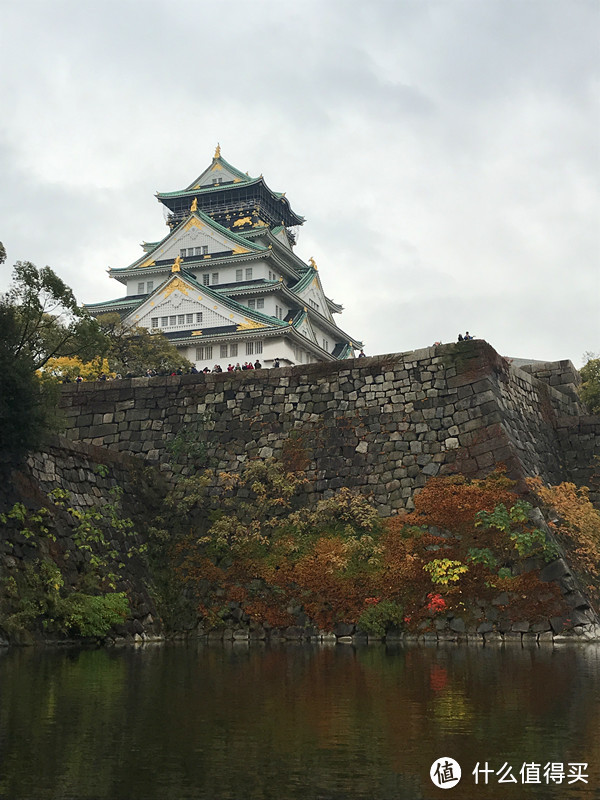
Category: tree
[68,368]
[39,319]
[2,254]
[26,405]
[135,350]
[49,320]
[590,384]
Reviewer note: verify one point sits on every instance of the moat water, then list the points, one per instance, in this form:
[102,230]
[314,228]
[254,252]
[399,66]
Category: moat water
[179,722]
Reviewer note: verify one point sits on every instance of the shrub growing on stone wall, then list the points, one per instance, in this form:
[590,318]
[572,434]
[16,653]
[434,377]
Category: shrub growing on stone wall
[263,562]
[69,584]
[379,617]
[576,522]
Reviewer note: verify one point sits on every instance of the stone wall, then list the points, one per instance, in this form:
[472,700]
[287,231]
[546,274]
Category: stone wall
[579,439]
[561,375]
[383,425]
[88,474]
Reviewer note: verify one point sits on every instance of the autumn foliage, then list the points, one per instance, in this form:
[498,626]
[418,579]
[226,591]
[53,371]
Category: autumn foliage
[265,560]
[452,502]
[576,523]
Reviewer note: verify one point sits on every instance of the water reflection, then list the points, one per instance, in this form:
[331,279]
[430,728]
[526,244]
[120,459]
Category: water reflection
[292,721]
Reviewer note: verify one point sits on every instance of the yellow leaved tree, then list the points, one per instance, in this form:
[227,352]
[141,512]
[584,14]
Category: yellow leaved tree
[68,368]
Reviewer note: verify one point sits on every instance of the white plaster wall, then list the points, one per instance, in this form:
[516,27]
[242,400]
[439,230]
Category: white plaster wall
[273,347]
[320,334]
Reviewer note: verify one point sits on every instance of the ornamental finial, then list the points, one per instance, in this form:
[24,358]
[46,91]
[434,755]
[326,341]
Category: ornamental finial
[313,263]
[217,151]
[176,265]
[194,206]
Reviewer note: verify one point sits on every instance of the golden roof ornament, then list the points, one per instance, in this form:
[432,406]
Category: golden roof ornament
[194,206]
[313,263]
[217,151]
[176,265]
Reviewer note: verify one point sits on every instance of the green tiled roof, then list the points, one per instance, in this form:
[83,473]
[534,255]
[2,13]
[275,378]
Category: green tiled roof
[120,302]
[305,280]
[190,193]
[242,286]
[212,188]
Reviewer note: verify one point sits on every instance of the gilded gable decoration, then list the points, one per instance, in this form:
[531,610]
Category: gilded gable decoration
[176,285]
[249,325]
[193,222]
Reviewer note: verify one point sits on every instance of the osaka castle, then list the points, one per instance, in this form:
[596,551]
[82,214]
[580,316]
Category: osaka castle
[224,285]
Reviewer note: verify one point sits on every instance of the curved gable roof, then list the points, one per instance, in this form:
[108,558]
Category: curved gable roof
[220,162]
[147,258]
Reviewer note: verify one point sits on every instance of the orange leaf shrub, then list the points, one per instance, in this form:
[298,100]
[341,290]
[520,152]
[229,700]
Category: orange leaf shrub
[579,520]
[450,503]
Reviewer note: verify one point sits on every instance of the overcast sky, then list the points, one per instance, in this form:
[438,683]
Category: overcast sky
[445,154]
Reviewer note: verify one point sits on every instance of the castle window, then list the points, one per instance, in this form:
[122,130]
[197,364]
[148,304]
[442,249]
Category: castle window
[279,312]
[181,319]
[204,353]
[199,316]
[150,286]
[154,322]
[206,278]
[172,320]
[215,278]
[217,181]
[249,273]
[201,251]
[325,344]
[233,350]
[223,351]
[141,287]
[182,252]
[260,302]
[164,321]
[249,348]
[258,347]
[239,274]
[189,319]
[251,303]
[313,304]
